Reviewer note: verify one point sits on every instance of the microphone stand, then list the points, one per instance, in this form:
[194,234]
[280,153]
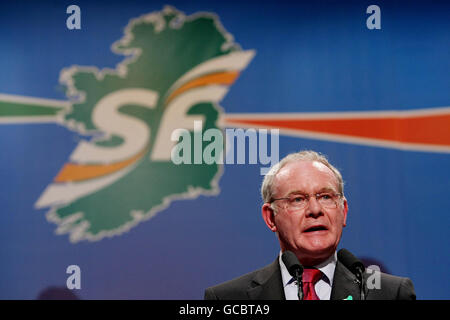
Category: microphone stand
[295,270]
[299,279]
[359,275]
[356,267]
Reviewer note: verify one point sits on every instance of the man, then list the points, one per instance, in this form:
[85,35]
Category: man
[304,204]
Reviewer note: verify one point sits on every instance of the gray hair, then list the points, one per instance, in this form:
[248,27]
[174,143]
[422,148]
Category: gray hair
[306,155]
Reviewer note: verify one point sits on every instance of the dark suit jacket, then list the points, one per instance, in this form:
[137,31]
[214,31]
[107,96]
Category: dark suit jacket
[266,284]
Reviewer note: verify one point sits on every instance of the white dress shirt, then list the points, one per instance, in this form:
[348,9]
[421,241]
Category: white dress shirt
[322,287]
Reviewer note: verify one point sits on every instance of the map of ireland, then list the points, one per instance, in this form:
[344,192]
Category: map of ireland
[176,70]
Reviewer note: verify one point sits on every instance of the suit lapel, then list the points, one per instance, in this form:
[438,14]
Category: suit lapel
[344,284]
[267,284]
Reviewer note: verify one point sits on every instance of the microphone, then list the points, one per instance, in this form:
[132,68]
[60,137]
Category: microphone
[295,269]
[353,264]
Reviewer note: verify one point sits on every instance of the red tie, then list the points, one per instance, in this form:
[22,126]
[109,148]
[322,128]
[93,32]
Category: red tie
[310,277]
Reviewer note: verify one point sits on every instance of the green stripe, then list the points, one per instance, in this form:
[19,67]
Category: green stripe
[17,109]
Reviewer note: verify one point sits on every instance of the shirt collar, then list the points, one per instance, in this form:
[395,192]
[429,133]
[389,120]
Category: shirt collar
[327,267]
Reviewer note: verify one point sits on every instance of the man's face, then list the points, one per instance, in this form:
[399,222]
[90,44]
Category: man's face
[312,233]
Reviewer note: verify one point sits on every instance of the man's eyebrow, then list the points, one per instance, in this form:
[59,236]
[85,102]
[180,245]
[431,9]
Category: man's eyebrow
[327,189]
[297,192]
[324,189]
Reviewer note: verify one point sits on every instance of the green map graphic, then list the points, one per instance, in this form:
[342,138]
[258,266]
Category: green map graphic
[159,49]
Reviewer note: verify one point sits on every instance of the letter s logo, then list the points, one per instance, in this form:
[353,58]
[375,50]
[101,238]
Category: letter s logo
[134,132]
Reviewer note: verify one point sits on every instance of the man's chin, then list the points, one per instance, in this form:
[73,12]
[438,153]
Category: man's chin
[315,253]
[317,242]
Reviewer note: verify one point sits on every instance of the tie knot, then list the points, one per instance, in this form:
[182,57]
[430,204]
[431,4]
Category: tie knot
[311,275]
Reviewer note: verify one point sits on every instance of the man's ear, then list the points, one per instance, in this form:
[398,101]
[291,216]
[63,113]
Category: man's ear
[268,215]
[345,208]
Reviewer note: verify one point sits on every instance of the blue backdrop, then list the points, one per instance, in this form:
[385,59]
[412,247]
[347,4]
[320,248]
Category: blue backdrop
[313,56]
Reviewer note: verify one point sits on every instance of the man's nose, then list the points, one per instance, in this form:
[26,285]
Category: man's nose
[314,208]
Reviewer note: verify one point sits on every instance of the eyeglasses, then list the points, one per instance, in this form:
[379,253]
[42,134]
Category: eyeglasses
[300,201]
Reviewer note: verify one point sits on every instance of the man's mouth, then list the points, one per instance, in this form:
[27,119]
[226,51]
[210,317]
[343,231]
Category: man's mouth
[316,228]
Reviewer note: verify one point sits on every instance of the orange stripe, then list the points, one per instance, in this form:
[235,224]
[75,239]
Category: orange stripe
[424,129]
[216,78]
[78,172]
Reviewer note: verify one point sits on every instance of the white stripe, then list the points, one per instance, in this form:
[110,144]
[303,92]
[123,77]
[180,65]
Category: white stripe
[64,193]
[230,62]
[341,115]
[34,101]
[28,119]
